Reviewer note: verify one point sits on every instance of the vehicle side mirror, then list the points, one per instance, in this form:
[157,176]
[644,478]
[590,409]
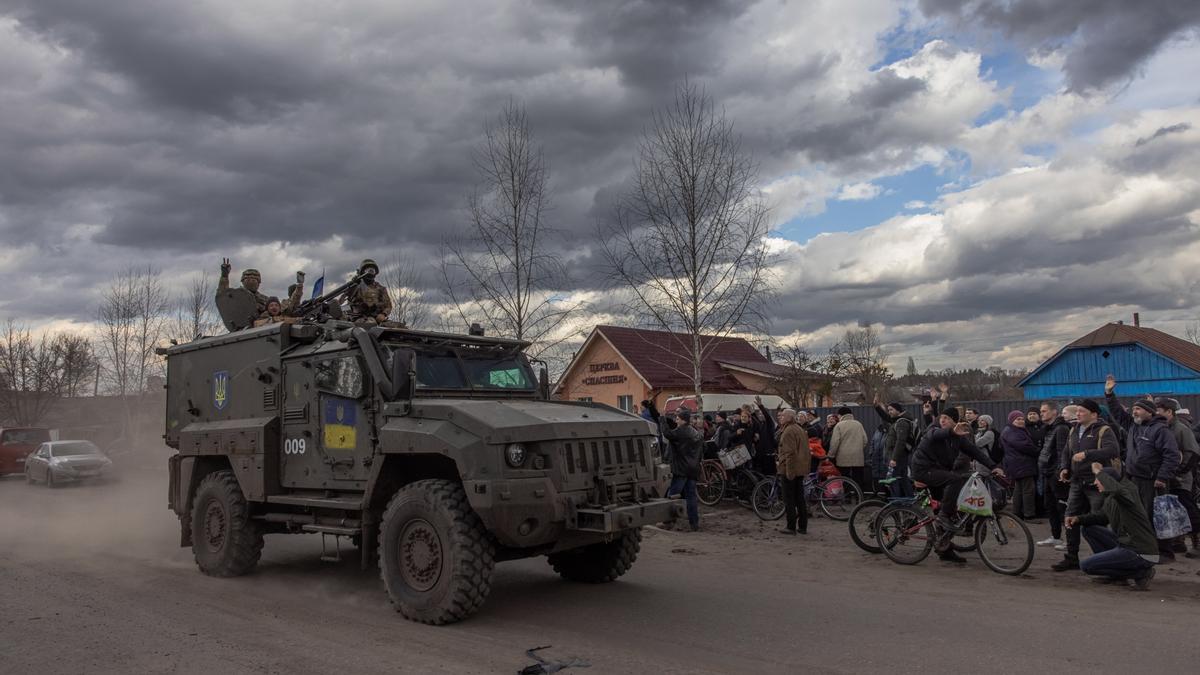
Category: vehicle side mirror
[544,383]
[403,377]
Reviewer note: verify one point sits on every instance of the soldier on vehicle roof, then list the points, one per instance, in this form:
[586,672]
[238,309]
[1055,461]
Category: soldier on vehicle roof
[274,313]
[251,281]
[369,300]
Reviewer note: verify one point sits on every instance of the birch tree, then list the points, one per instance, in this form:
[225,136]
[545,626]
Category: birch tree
[688,240]
[504,271]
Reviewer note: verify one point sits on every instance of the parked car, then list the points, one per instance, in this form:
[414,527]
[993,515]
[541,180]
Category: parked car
[58,462]
[15,445]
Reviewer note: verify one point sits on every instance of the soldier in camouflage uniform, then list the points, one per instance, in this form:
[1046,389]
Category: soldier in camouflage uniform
[251,280]
[369,300]
[274,313]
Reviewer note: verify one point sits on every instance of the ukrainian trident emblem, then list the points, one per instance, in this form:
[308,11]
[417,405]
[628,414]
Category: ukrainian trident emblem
[220,389]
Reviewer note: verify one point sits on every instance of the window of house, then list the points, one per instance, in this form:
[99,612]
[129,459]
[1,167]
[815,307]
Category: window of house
[625,403]
[585,399]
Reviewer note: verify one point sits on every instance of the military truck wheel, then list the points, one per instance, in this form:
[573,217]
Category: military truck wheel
[435,556]
[599,563]
[225,541]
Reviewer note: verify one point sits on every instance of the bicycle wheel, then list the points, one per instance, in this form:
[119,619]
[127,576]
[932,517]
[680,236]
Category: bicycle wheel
[711,487]
[904,534]
[838,497]
[1004,543]
[768,499]
[862,524]
[742,483]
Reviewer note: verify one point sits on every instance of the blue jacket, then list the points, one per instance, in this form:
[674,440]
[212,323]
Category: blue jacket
[1150,448]
[1020,453]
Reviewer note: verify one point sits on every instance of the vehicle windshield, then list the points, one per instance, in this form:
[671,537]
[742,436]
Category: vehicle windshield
[73,448]
[449,371]
[24,436]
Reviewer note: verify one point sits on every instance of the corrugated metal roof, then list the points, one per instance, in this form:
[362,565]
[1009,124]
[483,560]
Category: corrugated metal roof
[1176,349]
[662,359]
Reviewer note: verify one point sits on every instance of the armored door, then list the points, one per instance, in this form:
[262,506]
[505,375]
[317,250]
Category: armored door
[300,463]
[328,440]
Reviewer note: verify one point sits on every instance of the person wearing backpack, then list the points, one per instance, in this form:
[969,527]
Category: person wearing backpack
[898,445]
[1091,441]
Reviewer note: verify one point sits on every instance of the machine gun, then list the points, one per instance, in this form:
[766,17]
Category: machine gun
[315,307]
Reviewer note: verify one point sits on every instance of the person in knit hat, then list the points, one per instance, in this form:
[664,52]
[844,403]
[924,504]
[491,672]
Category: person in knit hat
[1020,464]
[1151,453]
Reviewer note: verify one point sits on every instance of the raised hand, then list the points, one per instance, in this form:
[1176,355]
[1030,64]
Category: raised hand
[962,428]
[300,277]
[1110,383]
[225,266]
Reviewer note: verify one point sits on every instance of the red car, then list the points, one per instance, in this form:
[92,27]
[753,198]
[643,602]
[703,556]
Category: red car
[15,445]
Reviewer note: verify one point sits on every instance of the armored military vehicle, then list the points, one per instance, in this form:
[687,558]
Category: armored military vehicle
[437,454]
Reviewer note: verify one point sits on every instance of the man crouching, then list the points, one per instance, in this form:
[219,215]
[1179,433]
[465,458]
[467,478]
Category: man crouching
[1126,549]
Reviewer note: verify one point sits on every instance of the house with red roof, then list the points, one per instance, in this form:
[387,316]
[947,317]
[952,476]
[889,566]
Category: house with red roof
[622,367]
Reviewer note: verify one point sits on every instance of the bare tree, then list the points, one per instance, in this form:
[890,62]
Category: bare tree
[132,317]
[30,375]
[801,377]
[1192,332]
[77,359]
[861,357]
[194,314]
[503,267]
[688,241]
[404,280]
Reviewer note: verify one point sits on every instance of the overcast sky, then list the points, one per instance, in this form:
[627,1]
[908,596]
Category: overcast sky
[985,180]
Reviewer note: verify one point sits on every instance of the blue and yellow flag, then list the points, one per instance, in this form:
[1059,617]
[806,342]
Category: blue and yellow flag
[339,418]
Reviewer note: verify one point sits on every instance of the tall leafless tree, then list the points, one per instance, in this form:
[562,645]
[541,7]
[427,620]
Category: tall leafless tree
[504,267]
[405,281]
[688,241]
[194,314]
[133,318]
[861,358]
[30,375]
[1192,332]
[77,359]
[802,376]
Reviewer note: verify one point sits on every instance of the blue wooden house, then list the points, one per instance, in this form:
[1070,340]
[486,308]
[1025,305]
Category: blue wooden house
[1144,361]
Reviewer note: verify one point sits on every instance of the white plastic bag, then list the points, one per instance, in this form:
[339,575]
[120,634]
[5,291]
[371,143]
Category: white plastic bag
[975,497]
[1170,518]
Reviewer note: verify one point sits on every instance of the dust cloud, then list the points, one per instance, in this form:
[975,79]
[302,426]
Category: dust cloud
[125,514]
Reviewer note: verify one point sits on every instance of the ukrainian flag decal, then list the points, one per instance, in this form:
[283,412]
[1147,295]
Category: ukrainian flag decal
[339,418]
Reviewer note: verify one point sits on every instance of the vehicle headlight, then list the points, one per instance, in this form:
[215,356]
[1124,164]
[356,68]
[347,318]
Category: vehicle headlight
[514,454]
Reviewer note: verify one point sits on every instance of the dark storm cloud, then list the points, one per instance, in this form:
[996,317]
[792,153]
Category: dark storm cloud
[655,43]
[1105,40]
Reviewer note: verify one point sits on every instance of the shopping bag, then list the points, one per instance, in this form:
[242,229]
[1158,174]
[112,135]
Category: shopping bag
[1170,518]
[975,498]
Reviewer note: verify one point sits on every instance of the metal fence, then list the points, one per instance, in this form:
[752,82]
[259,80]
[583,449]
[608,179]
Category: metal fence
[997,409]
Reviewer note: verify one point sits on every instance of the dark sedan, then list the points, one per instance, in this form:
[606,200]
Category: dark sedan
[58,462]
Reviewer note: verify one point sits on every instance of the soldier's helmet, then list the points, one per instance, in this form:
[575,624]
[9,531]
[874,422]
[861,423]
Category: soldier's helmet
[251,273]
[368,264]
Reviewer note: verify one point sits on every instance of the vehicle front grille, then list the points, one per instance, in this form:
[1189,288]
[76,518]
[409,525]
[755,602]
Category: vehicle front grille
[603,456]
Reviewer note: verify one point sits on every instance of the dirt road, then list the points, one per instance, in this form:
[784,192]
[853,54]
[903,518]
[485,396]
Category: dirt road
[91,580]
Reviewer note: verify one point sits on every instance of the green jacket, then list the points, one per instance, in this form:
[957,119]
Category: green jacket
[1122,511]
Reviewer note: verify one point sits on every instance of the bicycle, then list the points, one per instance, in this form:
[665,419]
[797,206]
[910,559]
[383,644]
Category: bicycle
[906,534]
[710,489]
[864,519]
[833,495]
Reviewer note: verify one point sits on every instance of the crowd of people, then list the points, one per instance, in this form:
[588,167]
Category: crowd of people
[1092,468]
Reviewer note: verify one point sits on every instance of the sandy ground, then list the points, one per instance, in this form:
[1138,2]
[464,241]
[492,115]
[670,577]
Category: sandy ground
[91,580]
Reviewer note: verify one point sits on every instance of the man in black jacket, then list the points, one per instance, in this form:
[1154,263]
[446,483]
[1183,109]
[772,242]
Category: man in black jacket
[686,441]
[1057,432]
[1151,454]
[933,463]
[897,447]
[1091,441]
